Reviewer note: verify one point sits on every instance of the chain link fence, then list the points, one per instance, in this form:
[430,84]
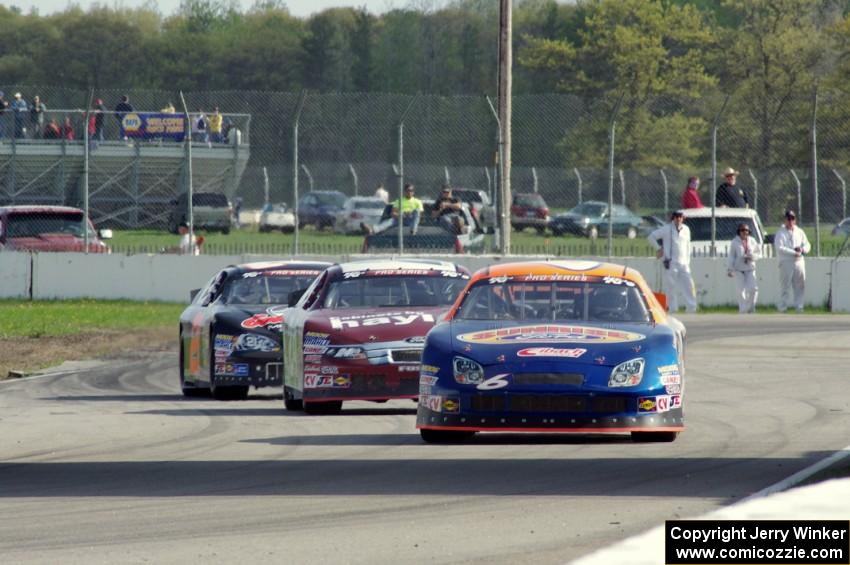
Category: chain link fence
[287,165]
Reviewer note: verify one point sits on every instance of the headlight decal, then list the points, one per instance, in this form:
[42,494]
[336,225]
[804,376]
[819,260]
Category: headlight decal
[467,371]
[629,373]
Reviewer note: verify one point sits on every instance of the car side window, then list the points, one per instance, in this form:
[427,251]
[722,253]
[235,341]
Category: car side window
[215,288]
[314,292]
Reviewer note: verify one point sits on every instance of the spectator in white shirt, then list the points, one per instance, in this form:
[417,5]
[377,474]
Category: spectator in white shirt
[189,243]
[744,251]
[791,245]
[675,253]
[382,193]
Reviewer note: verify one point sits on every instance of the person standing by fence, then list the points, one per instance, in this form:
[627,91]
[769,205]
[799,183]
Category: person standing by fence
[215,123]
[729,194]
[744,251]
[675,252]
[690,198]
[791,245]
[37,109]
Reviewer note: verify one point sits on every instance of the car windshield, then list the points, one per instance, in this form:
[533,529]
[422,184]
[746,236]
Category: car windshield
[468,195]
[534,200]
[33,225]
[330,198]
[394,290]
[594,299]
[727,228]
[589,209]
[262,288]
[209,199]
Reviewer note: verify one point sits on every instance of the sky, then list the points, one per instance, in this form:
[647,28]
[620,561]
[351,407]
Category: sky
[296,7]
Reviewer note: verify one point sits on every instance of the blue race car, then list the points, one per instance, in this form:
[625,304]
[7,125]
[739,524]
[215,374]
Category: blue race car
[560,346]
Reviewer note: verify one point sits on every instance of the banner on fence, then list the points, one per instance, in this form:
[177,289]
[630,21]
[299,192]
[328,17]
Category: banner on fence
[140,125]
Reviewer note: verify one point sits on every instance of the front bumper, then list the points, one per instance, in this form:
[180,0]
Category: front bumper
[248,372]
[552,412]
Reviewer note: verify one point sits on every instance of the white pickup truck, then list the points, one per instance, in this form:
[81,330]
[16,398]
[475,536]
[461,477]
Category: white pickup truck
[727,221]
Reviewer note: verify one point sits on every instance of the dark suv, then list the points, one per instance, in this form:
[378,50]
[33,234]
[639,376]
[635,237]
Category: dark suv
[321,208]
[211,211]
[529,210]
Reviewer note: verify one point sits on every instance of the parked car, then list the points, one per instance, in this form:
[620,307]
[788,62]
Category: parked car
[432,235]
[277,217]
[480,205]
[48,228]
[650,224]
[359,210]
[842,228]
[230,333]
[529,210]
[590,219]
[727,221]
[320,208]
[211,211]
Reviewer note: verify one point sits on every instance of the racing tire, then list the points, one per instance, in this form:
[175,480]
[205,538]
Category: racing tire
[228,392]
[631,233]
[291,403]
[654,437]
[323,408]
[444,436]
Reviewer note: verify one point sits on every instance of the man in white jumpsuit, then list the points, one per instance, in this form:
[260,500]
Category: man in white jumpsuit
[791,245]
[675,253]
[744,251]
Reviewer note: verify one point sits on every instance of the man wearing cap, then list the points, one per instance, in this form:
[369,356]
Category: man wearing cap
[408,209]
[447,209]
[675,253]
[729,194]
[741,264]
[791,245]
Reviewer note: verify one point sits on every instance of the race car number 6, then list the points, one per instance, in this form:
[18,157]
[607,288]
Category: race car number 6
[498,381]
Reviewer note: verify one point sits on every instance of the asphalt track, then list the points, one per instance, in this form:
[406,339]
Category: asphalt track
[113,465]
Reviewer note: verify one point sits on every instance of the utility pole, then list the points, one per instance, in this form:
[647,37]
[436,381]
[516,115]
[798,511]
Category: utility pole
[505,66]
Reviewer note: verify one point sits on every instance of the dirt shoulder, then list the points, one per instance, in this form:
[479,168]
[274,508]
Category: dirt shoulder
[28,354]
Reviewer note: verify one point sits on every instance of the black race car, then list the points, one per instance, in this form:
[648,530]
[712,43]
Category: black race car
[230,333]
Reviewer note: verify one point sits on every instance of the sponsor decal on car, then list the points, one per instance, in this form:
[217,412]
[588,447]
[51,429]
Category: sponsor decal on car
[671,379]
[428,380]
[330,370]
[312,358]
[416,339]
[555,278]
[551,352]
[646,404]
[408,368]
[232,369]
[315,349]
[327,381]
[617,281]
[433,402]
[342,381]
[494,382]
[673,389]
[316,338]
[271,319]
[312,368]
[402,319]
[282,273]
[254,342]
[429,370]
[550,333]
[224,344]
[451,405]
[425,389]
[675,401]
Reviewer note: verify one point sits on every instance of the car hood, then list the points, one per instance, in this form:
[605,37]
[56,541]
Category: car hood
[518,345]
[361,325]
[572,216]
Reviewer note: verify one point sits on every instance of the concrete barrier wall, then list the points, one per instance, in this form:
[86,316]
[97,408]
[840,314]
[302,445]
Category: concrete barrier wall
[15,274]
[171,277]
[840,283]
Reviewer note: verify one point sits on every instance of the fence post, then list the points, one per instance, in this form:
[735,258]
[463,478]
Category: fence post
[500,206]
[534,179]
[265,187]
[448,176]
[755,190]
[666,192]
[799,196]
[578,176]
[815,168]
[622,188]
[296,240]
[187,128]
[843,193]
[86,157]
[612,128]
[356,180]
[401,174]
[713,250]
[489,183]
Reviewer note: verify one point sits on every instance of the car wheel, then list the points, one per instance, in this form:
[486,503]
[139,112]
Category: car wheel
[264,229]
[327,407]
[225,231]
[632,233]
[654,437]
[540,230]
[291,403]
[188,391]
[556,232]
[287,230]
[444,436]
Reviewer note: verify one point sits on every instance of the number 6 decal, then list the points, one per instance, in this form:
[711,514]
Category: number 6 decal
[498,381]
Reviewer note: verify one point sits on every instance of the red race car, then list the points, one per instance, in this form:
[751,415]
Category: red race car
[357,332]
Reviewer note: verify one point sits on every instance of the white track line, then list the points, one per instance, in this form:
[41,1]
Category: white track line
[799,476]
